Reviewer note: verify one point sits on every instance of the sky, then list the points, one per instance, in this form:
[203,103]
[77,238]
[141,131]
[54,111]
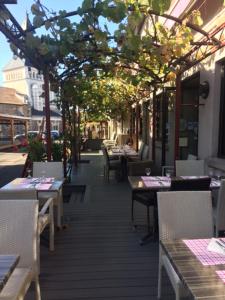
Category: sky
[19,12]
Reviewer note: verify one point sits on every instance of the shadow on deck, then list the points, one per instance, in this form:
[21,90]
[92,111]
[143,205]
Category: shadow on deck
[98,256]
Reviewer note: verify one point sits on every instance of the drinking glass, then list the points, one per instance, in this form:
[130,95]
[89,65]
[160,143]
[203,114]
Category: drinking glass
[218,174]
[147,171]
[168,173]
[211,173]
[43,174]
[29,173]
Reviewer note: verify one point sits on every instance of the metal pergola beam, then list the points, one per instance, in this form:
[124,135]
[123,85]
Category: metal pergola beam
[8,1]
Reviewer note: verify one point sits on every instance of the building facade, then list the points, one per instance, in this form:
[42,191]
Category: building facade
[27,80]
[14,115]
[202,115]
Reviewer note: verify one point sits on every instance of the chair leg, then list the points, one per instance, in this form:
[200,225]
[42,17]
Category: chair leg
[148,219]
[107,174]
[160,273]
[37,289]
[51,229]
[59,205]
[132,210]
[177,292]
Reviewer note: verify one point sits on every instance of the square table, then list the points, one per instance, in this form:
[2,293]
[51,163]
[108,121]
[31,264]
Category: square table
[46,185]
[158,183]
[123,152]
[7,265]
[197,268]
[143,184]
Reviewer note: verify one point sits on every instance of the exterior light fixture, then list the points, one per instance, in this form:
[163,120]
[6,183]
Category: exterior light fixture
[204,89]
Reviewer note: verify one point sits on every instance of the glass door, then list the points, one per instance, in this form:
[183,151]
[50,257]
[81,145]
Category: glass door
[188,137]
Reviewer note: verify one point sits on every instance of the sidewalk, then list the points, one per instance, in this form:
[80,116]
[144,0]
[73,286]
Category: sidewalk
[11,166]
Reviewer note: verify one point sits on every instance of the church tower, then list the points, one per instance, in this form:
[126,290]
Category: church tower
[26,80]
[21,76]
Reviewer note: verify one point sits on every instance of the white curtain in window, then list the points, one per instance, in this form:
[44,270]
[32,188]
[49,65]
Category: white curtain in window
[36,99]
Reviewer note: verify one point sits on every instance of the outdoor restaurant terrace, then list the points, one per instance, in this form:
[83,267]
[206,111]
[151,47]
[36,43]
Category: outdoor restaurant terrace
[122,195]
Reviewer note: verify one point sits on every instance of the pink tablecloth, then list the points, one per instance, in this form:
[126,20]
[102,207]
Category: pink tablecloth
[199,249]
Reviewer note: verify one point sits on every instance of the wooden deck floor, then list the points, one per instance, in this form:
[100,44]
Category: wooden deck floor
[98,257]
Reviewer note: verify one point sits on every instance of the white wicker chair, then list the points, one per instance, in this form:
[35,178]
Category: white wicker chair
[189,167]
[51,169]
[219,212]
[185,214]
[45,216]
[192,157]
[111,143]
[19,235]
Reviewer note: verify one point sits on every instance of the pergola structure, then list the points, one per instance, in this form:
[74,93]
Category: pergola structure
[206,44]
[8,1]
[16,35]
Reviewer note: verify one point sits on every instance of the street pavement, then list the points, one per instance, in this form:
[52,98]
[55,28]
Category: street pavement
[11,166]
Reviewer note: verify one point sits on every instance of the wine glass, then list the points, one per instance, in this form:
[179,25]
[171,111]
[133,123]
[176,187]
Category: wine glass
[218,175]
[211,173]
[168,174]
[43,174]
[29,173]
[147,171]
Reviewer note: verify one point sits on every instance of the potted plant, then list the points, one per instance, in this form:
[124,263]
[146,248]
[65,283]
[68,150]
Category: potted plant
[57,151]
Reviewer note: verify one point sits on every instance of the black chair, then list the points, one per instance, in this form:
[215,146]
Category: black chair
[192,184]
[110,165]
[147,199]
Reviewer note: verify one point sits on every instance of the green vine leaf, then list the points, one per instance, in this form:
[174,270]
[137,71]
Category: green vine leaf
[38,21]
[35,9]
[87,4]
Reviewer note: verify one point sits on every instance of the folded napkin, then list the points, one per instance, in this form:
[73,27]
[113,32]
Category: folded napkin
[215,245]
[43,186]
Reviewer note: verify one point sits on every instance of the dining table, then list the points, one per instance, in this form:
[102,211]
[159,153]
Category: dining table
[159,183]
[143,184]
[43,186]
[199,266]
[7,265]
[123,151]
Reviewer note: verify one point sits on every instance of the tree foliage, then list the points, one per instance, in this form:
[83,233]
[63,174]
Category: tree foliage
[81,53]
[70,48]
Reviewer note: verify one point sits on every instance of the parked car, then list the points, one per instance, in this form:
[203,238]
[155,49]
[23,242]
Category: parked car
[55,134]
[32,134]
[19,137]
